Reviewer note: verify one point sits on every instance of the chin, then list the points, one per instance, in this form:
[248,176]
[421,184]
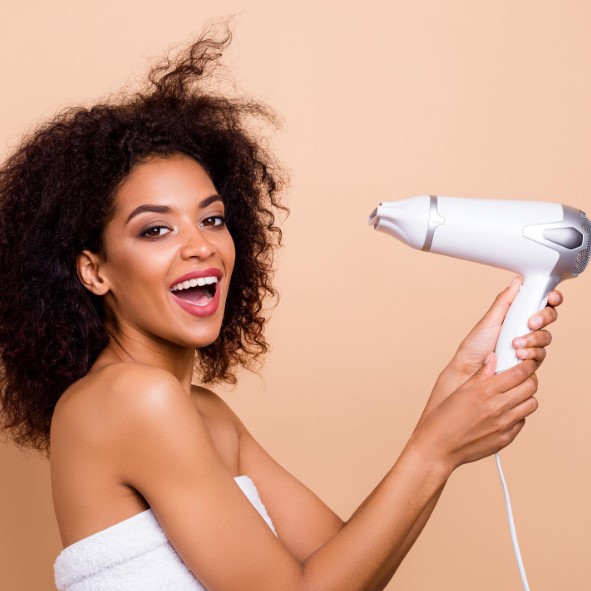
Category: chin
[201,340]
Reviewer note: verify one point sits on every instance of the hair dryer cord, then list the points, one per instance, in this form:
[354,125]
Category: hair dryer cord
[512,525]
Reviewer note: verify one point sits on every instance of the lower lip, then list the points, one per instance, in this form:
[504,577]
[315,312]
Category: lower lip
[195,310]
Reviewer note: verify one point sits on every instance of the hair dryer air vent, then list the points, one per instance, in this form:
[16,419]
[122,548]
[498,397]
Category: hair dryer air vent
[583,256]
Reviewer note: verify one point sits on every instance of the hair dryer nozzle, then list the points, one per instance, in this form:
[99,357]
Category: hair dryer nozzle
[406,220]
[372,216]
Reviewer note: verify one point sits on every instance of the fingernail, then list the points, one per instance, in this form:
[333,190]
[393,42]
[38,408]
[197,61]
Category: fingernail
[519,343]
[515,281]
[536,321]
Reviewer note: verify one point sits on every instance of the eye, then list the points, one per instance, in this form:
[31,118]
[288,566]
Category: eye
[154,231]
[220,218]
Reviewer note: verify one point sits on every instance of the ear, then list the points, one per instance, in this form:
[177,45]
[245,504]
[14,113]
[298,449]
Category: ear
[90,272]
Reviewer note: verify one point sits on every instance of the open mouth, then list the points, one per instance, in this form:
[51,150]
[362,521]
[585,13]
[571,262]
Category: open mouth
[199,295]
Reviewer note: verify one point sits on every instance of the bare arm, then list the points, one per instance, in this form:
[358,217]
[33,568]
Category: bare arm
[163,450]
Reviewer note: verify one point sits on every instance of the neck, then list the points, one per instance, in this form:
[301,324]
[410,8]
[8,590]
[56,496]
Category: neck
[130,346]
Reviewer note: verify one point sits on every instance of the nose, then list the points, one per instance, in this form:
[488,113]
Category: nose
[196,244]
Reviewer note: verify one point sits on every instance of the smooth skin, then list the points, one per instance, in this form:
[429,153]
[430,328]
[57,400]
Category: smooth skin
[135,433]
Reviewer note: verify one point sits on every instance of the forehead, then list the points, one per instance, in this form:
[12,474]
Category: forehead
[163,180]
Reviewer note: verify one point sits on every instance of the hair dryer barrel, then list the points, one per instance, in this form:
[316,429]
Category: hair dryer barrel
[544,242]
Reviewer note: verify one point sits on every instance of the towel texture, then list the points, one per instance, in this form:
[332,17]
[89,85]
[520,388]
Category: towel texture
[133,555]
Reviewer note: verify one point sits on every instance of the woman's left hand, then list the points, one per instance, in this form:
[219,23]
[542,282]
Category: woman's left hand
[482,339]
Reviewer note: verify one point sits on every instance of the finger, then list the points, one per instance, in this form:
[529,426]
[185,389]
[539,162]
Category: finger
[542,318]
[498,310]
[487,369]
[538,355]
[512,433]
[517,427]
[514,398]
[523,410]
[538,338]
[512,377]
[555,298]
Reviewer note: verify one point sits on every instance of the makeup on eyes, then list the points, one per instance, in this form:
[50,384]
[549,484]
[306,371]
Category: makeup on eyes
[143,233]
[148,207]
[160,224]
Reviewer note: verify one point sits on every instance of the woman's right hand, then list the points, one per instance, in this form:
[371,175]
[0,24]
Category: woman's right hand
[482,416]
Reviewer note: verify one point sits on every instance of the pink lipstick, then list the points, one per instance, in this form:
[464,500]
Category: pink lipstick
[191,295]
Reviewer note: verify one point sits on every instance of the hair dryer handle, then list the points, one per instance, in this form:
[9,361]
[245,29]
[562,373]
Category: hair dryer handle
[531,298]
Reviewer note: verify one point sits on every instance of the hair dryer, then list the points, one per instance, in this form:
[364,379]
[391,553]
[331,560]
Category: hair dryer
[543,242]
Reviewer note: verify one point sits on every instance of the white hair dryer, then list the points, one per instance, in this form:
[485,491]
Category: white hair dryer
[543,242]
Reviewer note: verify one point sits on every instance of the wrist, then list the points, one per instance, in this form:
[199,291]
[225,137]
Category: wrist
[449,380]
[431,458]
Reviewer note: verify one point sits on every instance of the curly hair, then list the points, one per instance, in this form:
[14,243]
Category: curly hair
[56,197]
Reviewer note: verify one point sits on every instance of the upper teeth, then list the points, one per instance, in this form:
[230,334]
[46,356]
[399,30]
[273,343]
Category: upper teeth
[194,283]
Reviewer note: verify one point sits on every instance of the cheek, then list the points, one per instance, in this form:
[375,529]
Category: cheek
[231,255]
[222,245]
[140,272]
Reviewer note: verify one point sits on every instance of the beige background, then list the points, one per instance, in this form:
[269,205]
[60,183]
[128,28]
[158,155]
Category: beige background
[381,101]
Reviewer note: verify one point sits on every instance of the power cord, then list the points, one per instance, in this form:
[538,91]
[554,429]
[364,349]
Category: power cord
[512,525]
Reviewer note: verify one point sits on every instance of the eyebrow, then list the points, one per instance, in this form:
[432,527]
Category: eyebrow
[165,209]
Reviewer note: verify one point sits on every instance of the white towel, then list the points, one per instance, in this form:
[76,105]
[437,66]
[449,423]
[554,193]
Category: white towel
[133,555]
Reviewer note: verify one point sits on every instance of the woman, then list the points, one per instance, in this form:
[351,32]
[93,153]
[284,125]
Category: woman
[136,251]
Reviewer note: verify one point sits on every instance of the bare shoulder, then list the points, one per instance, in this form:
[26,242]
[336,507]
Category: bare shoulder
[103,402]
[135,386]
[117,383]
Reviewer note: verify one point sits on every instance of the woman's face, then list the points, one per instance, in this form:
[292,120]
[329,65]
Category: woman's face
[168,227]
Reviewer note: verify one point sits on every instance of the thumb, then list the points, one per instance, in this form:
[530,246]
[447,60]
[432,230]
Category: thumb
[497,312]
[488,368]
